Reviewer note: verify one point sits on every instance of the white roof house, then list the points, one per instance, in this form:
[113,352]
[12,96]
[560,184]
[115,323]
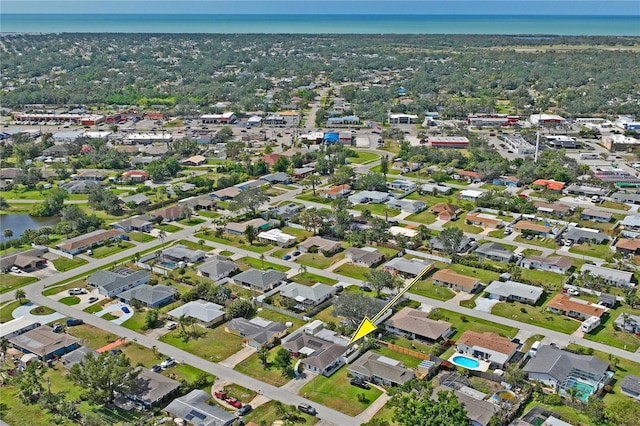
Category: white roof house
[470,194]
[207,313]
[399,230]
[513,290]
[611,276]
[364,197]
[277,237]
[17,326]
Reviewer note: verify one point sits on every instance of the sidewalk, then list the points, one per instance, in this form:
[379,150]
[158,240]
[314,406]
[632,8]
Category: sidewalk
[238,357]
[371,410]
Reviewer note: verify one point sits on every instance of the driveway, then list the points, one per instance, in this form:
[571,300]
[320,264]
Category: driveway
[115,309]
[25,311]
[485,305]
[238,357]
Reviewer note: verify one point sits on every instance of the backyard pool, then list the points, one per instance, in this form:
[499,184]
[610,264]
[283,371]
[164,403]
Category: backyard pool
[465,362]
[585,390]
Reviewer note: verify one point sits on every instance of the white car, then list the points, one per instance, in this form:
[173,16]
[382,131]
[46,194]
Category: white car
[77,290]
[169,362]
[16,269]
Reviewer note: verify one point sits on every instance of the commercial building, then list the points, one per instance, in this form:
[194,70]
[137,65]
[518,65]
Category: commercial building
[519,145]
[617,142]
[403,119]
[546,119]
[448,141]
[224,118]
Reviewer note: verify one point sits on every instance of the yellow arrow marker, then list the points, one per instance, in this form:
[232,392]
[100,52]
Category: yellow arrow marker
[367,325]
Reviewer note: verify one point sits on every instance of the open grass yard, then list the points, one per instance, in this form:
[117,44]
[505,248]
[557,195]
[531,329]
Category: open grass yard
[414,345]
[549,243]
[211,344]
[194,246]
[274,192]
[226,253]
[300,234]
[91,336]
[241,393]
[319,260]
[141,237]
[136,322]
[106,251]
[423,217]
[536,315]
[252,366]
[310,279]
[10,282]
[483,275]
[235,241]
[379,209]
[607,334]
[531,252]
[62,264]
[270,315]
[353,271]
[7,310]
[462,224]
[70,300]
[336,392]
[266,414]
[245,263]
[426,288]
[408,360]
[191,222]
[613,205]
[240,291]
[543,278]
[431,199]
[363,157]
[280,253]
[389,253]
[327,315]
[167,227]
[386,413]
[209,214]
[308,196]
[19,413]
[391,171]
[97,307]
[461,324]
[569,414]
[594,250]
[498,233]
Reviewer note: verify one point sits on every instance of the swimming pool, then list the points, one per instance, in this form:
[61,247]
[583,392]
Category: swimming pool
[585,390]
[465,362]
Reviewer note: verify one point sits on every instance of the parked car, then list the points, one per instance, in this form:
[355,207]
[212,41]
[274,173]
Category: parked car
[57,328]
[220,394]
[115,351]
[306,408]
[74,321]
[167,363]
[16,269]
[93,299]
[366,288]
[296,253]
[171,326]
[156,368]
[286,257]
[359,383]
[246,408]
[126,310]
[234,402]
[77,290]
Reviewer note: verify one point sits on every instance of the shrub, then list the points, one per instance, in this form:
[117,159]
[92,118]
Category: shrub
[523,310]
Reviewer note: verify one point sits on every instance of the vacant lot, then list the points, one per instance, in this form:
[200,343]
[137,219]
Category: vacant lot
[319,260]
[63,264]
[268,373]
[353,271]
[250,262]
[211,344]
[594,250]
[11,282]
[536,315]
[106,251]
[266,414]
[426,288]
[461,324]
[310,279]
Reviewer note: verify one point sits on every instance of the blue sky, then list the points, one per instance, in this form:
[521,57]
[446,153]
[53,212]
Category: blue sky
[397,7]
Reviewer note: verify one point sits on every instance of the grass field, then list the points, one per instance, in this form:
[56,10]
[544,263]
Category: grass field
[594,250]
[266,414]
[300,234]
[141,237]
[607,334]
[10,282]
[279,317]
[235,241]
[167,227]
[318,260]
[543,278]
[363,157]
[336,392]
[549,243]
[310,279]
[353,271]
[70,300]
[426,288]
[483,275]
[423,217]
[91,336]
[250,262]
[194,246]
[461,324]
[106,251]
[536,315]
[191,222]
[7,310]
[462,224]
[212,344]
[378,209]
[63,264]
[252,366]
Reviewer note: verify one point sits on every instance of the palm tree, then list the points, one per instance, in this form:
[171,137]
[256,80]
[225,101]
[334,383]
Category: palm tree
[262,260]
[162,235]
[263,356]
[20,295]
[186,211]
[251,233]
[573,392]
[183,322]
[8,233]
[4,344]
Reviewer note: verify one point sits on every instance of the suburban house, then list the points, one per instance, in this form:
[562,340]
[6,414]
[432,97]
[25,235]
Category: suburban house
[257,332]
[112,283]
[608,300]
[630,386]
[627,246]
[44,343]
[379,369]
[307,297]
[407,206]
[596,215]
[27,260]
[169,214]
[574,308]
[87,241]
[465,244]
[563,370]
[335,192]
[494,251]
[217,268]
[137,176]
[138,223]
[628,323]
[436,188]
[511,181]
[56,151]
[320,245]
[416,324]
[470,194]
[276,237]
[180,253]
[488,346]
[226,193]
[364,197]
[303,172]
[95,175]
[530,228]
[455,281]
[557,264]
[367,256]
[207,314]
[514,291]
[260,280]
[74,357]
[17,326]
[271,159]
[279,177]
[200,202]
[610,276]
[631,222]
[586,235]
[402,185]
[136,200]
[484,220]
[553,209]
[195,410]
[285,212]
[445,211]
[235,228]
[151,296]
[196,160]
[79,186]
[324,351]
[479,411]
[550,184]
[152,388]
[405,267]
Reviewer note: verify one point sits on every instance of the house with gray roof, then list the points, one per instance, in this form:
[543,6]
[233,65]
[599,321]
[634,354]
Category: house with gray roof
[610,276]
[141,223]
[44,343]
[194,409]
[112,283]
[631,222]
[137,199]
[285,212]
[436,188]
[307,297]
[623,197]
[494,251]
[151,296]
[582,235]
[217,268]
[379,369]
[436,244]
[478,410]
[407,206]
[152,388]
[512,290]
[557,264]
[79,186]
[364,197]
[563,370]
[74,357]
[367,256]
[260,280]
[200,202]
[630,386]
[27,260]
[206,313]
[257,332]
[407,268]
[180,253]
[279,177]
[628,323]
[416,324]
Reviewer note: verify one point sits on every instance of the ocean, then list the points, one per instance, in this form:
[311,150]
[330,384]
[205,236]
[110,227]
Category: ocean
[322,24]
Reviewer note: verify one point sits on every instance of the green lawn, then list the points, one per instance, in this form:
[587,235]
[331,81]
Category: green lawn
[136,322]
[106,251]
[318,260]
[279,317]
[63,264]
[140,237]
[462,224]
[543,278]
[391,171]
[536,315]
[266,414]
[210,215]
[241,393]
[327,314]
[300,234]
[363,157]
[212,344]
[531,252]
[96,307]
[191,222]
[10,282]
[308,196]
[408,360]
[167,227]
[194,246]
[252,366]
[235,242]
[607,334]
[7,310]
[475,324]
[549,243]
[309,279]
[226,253]
[336,392]
[483,275]
[426,288]
[251,262]
[378,209]
[91,336]
[70,300]
[422,217]
[594,250]
[613,205]
[353,271]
